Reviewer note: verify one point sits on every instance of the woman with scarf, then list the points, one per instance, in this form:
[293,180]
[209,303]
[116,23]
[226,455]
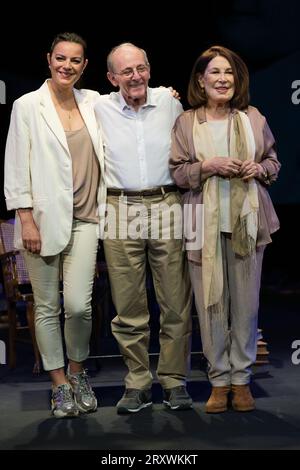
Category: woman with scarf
[224,153]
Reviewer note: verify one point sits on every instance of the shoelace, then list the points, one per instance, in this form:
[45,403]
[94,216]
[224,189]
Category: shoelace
[62,394]
[84,385]
[180,391]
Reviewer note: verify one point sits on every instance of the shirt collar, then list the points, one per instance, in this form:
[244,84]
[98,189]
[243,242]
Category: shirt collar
[150,102]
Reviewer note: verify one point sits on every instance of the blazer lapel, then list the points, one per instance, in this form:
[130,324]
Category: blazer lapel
[87,112]
[51,117]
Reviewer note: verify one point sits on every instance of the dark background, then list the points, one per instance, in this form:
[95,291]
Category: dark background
[264,32]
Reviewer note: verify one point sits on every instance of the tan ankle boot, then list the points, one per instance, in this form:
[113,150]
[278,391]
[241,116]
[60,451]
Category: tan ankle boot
[218,400]
[242,399]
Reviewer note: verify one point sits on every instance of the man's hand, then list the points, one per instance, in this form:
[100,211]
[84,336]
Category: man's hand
[174,93]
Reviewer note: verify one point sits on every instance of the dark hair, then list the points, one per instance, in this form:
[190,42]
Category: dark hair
[196,95]
[69,37]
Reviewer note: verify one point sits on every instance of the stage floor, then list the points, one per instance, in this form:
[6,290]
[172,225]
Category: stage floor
[25,421]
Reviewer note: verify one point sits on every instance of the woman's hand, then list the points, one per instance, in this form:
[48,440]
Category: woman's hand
[250,169]
[30,233]
[226,167]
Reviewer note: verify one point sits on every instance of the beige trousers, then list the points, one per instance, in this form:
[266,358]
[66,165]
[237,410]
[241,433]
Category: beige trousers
[77,262]
[126,260]
[229,337]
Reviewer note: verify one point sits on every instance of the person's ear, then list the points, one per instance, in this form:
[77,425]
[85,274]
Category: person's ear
[85,64]
[201,82]
[112,78]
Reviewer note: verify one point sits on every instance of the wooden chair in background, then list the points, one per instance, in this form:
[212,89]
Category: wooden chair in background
[17,288]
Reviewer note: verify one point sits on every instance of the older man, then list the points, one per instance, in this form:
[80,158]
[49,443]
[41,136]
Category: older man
[137,123]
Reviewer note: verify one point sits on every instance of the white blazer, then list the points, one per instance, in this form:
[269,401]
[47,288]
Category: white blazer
[38,166]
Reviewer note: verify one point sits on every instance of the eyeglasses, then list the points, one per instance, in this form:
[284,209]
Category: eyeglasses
[128,73]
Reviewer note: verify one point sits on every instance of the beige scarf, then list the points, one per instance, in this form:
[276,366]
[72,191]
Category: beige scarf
[243,203]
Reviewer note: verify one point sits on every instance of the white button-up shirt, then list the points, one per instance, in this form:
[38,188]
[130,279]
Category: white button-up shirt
[137,144]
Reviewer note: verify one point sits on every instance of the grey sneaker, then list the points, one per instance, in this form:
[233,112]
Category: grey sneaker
[83,394]
[177,398]
[134,400]
[62,402]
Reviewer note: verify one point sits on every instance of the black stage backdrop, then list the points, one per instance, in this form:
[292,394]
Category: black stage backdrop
[264,32]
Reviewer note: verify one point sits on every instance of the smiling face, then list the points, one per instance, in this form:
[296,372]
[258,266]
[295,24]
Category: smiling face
[66,63]
[130,73]
[218,81]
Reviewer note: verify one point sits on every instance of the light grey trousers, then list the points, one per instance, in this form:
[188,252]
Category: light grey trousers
[77,262]
[229,337]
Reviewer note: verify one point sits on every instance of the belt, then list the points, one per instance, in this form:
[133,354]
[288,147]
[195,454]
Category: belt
[160,190]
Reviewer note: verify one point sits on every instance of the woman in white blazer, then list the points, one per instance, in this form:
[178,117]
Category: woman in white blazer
[54,170]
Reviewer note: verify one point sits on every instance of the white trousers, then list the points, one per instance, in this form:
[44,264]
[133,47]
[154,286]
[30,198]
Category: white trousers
[77,265]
